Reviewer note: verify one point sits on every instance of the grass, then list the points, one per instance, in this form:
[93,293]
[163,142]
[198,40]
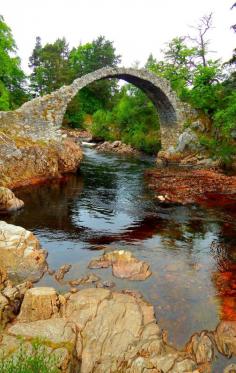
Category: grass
[34,358]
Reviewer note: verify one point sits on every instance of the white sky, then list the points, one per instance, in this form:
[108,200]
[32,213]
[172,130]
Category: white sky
[137,27]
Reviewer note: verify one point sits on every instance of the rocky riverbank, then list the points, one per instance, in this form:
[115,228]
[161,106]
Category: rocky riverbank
[26,161]
[192,186]
[93,329]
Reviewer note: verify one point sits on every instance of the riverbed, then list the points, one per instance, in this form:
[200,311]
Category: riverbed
[108,205]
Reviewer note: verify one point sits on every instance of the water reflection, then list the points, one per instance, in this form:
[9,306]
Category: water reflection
[191,249]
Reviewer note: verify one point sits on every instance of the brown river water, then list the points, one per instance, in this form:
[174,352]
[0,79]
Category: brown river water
[191,249]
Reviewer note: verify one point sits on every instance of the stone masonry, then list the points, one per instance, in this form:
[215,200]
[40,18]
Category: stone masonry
[41,118]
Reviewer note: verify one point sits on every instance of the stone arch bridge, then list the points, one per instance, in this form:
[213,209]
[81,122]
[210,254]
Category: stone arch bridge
[42,117]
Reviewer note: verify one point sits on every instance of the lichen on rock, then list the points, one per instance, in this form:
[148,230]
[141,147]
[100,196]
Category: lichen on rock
[21,254]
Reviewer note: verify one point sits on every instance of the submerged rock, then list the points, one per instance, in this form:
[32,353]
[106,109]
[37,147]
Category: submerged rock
[21,254]
[8,201]
[89,279]
[60,273]
[124,265]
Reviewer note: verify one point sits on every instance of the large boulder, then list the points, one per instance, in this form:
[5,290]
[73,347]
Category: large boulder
[201,347]
[225,338]
[25,161]
[96,331]
[8,201]
[124,265]
[188,141]
[69,156]
[21,254]
[120,334]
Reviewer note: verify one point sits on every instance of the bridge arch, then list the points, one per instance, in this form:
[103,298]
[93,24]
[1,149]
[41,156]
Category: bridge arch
[47,112]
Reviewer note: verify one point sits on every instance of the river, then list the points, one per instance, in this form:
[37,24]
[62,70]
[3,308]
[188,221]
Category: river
[109,204]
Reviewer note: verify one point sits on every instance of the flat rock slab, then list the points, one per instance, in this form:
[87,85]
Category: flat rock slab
[54,330]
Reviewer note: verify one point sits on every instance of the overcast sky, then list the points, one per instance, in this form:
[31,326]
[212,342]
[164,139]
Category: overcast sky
[137,27]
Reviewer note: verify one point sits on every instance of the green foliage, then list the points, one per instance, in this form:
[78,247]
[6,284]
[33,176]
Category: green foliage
[101,126]
[133,120]
[225,118]
[204,84]
[35,359]
[206,91]
[177,66]
[50,66]
[85,59]
[219,149]
[12,92]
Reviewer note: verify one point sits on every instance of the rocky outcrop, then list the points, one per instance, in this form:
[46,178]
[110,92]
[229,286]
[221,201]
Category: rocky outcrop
[117,147]
[8,201]
[97,331]
[124,265]
[69,156]
[115,329]
[21,254]
[24,161]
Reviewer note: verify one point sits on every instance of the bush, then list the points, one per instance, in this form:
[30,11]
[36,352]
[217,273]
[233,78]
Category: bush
[219,149]
[133,120]
[225,119]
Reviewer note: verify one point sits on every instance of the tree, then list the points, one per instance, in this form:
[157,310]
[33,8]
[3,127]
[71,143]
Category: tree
[90,57]
[12,92]
[177,66]
[50,65]
[200,41]
[99,95]
[36,78]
